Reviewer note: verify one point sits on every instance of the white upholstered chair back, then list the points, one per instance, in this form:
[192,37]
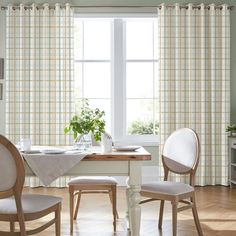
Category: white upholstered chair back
[7,169]
[181,151]
[12,171]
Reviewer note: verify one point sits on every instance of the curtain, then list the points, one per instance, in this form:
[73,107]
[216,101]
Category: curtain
[195,82]
[61,182]
[39,73]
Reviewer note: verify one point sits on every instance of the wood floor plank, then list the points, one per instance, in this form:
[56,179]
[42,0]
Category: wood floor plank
[216,208]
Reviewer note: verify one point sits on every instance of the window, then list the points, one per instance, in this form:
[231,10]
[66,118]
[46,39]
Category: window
[116,64]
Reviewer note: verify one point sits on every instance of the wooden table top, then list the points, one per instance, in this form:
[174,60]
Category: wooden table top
[139,155]
[95,154]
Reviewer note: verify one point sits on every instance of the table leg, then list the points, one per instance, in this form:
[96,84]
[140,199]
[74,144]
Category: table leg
[133,197]
[127,202]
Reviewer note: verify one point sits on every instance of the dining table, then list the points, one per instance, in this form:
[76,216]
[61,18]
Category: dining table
[116,163]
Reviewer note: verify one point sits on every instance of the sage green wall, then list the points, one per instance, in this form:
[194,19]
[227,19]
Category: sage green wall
[153,150]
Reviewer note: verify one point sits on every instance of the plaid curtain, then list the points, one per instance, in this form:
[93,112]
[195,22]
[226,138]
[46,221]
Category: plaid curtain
[195,82]
[39,73]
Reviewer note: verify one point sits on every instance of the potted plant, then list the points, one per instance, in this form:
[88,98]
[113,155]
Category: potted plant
[88,121]
[231,129]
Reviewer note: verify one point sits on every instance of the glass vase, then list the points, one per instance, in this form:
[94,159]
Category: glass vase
[83,142]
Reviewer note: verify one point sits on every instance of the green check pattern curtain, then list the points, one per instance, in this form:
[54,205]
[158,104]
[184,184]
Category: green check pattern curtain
[39,73]
[195,82]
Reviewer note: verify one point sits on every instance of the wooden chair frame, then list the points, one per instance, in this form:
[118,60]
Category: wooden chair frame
[16,192]
[179,198]
[79,189]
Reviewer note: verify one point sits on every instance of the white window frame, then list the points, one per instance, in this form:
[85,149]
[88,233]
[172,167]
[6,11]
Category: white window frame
[118,76]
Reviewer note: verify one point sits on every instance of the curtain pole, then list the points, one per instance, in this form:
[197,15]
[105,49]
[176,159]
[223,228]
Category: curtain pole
[157,6]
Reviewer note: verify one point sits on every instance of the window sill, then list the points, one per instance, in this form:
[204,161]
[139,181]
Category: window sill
[145,144]
[141,142]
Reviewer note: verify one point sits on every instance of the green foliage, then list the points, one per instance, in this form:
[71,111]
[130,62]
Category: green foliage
[231,128]
[141,127]
[88,120]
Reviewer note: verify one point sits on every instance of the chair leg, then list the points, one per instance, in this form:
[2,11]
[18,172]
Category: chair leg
[174,218]
[71,192]
[77,205]
[110,196]
[161,214]
[12,226]
[114,206]
[20,214]
[195,216]
[58,220]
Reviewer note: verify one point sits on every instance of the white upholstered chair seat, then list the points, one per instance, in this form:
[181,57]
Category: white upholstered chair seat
[31,203]
[91,184]
[167,187]
[93,180]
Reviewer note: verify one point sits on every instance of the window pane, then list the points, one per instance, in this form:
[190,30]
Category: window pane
[78,39]
[156,76]
[139,79]
[97,76]
[97,39]
[140,116]
[156,39]
[139,39]
[78,80]
[156,117]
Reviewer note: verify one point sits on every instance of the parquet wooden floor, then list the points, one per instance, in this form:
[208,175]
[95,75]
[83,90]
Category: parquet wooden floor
[216,208]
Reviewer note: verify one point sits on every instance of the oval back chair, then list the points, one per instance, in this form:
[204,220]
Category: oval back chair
[180,155]
[18,207]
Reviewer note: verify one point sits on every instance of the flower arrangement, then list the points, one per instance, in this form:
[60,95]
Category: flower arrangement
[87,121]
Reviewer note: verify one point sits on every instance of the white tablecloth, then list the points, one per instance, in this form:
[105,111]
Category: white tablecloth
[49,167]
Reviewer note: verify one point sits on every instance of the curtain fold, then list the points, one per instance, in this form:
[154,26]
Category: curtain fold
[195,82]
[39,73]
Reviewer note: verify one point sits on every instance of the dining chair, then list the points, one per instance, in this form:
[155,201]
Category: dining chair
[180,155]
[91,184]
[18,207]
